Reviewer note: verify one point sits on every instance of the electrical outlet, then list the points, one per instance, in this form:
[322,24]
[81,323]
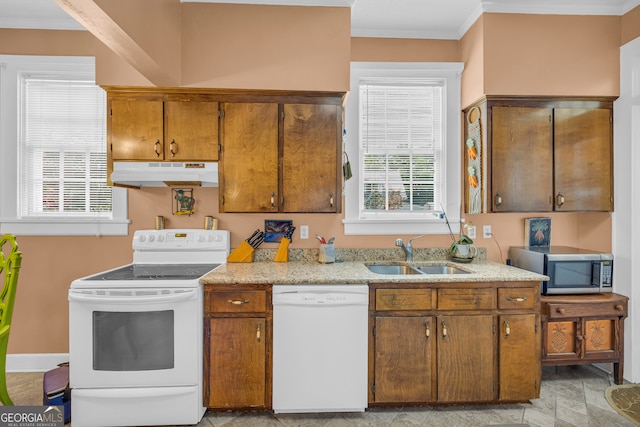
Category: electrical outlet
[471,231]
[486,231]
[304,231]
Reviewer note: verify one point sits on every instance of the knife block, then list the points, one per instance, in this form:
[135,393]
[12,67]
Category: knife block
[243,253]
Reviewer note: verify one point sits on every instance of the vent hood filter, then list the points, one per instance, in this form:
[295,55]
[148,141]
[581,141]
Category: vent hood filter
[165,174]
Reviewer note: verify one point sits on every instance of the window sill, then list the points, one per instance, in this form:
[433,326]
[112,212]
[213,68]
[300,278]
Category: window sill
[393,227]
[64,227]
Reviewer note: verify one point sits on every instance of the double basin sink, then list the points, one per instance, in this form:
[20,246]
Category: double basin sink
[403,269]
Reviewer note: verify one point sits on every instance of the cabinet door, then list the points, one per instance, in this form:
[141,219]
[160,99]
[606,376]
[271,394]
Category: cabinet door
[249,160]
[237,369]
[311,136]
[519,349]
[600,338]
[561,340]
[522,160]
[192,130]
[136,130]
[404,359]
[583,159]
[465,358]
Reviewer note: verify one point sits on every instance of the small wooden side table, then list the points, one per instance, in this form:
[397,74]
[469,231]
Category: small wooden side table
[581,329]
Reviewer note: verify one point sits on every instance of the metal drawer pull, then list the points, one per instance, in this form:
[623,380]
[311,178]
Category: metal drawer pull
[427,332]
[517,299]
[444,329]
[238,302]
[259,332]
[507,329]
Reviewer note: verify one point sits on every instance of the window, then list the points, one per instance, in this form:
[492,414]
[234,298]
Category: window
[54,174]
[403,127]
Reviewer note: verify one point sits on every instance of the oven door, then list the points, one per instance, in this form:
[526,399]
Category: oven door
[135,337]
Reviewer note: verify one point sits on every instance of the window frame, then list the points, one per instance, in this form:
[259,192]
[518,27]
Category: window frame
[11,67]
[397,223]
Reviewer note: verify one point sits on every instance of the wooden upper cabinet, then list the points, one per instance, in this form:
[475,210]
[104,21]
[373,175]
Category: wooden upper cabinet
[540,154]
[522,152]
[249,160]
[310,158]
[280,157]
[158,130]
[136,130]
[583,159]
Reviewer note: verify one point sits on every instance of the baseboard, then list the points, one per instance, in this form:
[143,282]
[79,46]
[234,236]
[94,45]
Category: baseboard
[40,362]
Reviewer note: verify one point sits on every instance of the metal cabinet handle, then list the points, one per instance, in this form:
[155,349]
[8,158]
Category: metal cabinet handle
[331,200]
[273,200]
[259,332]
[444,329]
[507,329]
[157,146]
[517,299]
[427,331]
[498,199]
[560,200]
[172,146]
[238,301]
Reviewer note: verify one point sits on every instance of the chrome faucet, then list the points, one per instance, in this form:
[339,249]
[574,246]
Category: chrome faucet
[408,250]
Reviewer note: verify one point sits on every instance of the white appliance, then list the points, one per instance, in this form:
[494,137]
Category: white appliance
[320,348]
[135,332]
[165,174]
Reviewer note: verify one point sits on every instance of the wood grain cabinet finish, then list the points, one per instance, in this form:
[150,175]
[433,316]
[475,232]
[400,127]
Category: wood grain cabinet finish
[454,345]
[237,347]
[543,154]
[579,329]
[163,130]
[281,157]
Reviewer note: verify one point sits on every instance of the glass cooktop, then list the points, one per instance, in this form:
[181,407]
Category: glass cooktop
[156,272]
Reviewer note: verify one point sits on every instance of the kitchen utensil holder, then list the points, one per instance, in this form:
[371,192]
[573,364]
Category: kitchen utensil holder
[326,253]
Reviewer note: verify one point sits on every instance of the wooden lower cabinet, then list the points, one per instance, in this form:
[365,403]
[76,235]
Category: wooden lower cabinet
[454,345]
[579,329]
[237,349]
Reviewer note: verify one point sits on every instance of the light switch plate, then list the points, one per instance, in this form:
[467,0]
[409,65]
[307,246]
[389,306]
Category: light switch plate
[486,231]
[304,231]
[471,231]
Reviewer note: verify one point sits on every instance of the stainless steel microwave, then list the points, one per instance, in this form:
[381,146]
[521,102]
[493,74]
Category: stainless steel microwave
[570,270]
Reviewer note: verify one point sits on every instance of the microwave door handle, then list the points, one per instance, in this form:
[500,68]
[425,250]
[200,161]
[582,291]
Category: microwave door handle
[132,299]
[596,268]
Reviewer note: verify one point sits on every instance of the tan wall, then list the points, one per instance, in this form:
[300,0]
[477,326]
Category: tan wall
[551,54]
[630,25]
[51,263]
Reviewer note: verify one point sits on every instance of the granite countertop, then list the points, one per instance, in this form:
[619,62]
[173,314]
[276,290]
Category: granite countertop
[350,268]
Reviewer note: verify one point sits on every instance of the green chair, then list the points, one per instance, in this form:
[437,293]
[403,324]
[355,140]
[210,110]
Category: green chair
[9,268]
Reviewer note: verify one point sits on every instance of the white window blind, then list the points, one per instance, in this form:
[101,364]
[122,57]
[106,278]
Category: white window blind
[401,143]
[62,152]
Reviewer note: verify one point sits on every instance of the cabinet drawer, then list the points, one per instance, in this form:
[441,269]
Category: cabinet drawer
[466,299]
[560,311]
[236,301]
[403,299]
[517,297]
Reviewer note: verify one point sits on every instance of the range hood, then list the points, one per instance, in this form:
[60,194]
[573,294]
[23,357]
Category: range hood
[165,174]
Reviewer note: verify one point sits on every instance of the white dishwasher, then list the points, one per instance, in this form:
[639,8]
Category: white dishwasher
[320,335]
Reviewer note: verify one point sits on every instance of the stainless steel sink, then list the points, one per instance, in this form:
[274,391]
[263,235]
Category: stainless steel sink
[392,269]
[440,269]
[400,269]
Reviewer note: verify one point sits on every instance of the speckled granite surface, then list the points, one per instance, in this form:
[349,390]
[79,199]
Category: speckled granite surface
[350,267]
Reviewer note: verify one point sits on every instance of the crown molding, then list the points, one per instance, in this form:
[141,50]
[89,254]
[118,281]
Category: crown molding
[326,3]
[560,7]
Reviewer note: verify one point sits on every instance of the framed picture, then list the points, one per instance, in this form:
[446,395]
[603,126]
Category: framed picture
[183,201]
[275,229]
[537,231]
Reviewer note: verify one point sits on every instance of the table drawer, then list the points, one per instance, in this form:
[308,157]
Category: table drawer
[560,310]
[236,301]
[466,299]
[403,299]
[517,297]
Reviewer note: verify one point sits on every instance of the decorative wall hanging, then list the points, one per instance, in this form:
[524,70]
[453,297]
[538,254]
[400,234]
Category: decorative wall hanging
[275,230]
[183,201]
[473,146]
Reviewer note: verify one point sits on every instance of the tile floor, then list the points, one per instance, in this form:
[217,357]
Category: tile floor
[570,396]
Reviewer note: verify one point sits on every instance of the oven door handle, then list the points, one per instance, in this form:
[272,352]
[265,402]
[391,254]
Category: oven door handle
[133,299]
